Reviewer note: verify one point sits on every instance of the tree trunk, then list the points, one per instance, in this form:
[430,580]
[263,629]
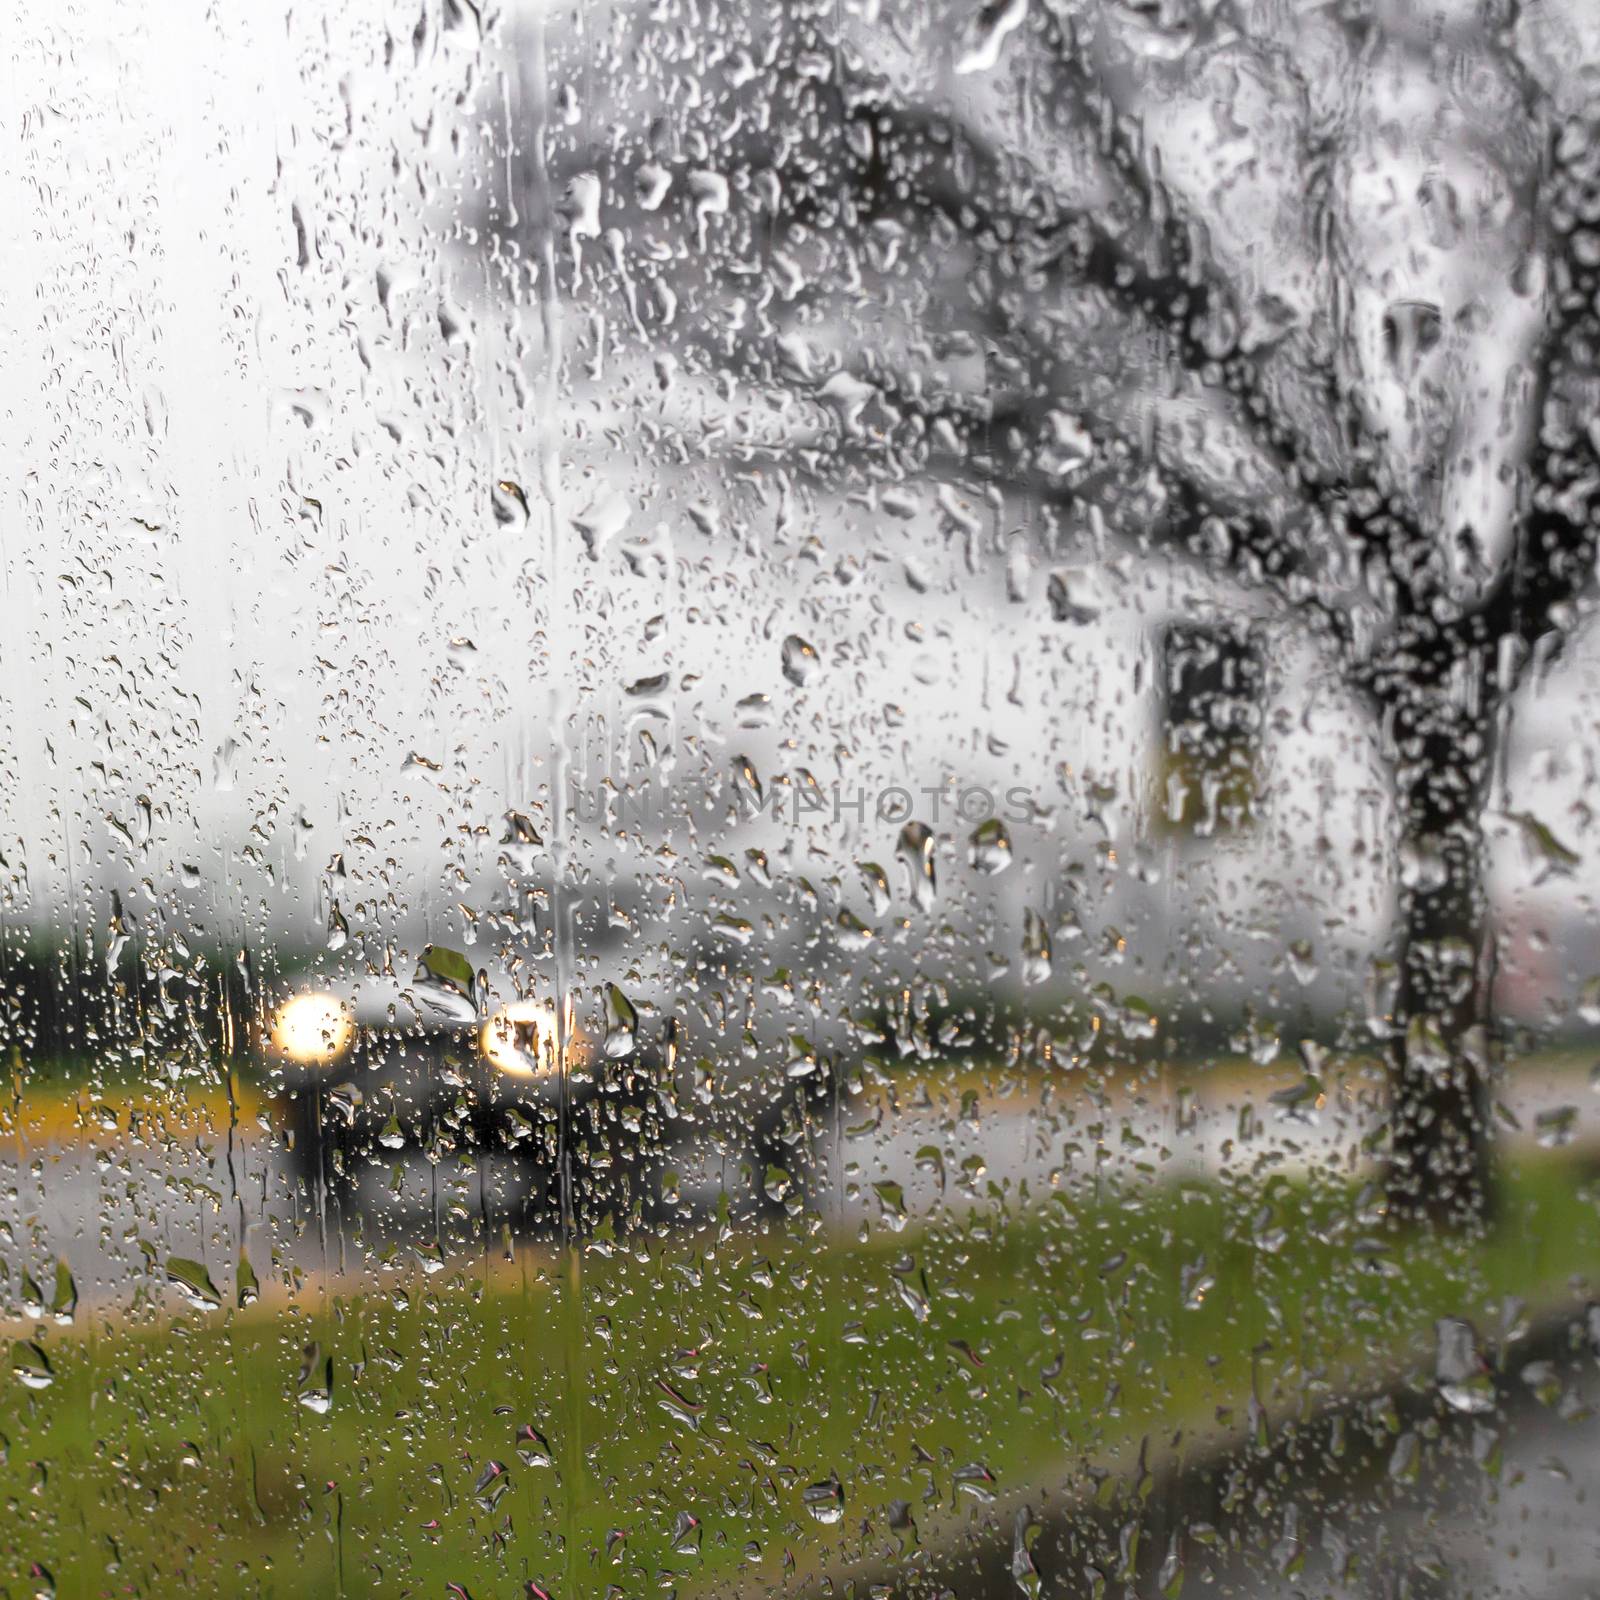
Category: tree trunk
[1439,1057]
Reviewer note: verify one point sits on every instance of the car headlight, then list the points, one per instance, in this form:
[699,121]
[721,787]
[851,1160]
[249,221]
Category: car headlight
[313,1029]
[520,1039]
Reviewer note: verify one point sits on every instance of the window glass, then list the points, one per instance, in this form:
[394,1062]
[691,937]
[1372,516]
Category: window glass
[798,799]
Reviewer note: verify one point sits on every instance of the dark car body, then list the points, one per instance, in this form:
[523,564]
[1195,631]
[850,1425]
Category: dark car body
[562,1130]
[562,1135]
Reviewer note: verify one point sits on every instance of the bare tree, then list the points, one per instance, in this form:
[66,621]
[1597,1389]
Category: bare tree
[1304,294]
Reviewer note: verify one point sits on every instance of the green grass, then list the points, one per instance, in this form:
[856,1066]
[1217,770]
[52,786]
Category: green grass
[722,1379]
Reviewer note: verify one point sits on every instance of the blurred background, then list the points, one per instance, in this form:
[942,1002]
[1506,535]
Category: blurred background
[799,797]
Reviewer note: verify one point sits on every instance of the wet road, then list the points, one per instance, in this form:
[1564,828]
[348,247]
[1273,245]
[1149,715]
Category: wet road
[117,1195]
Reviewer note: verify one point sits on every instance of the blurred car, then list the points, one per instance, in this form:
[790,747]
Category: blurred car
[568,1126]
[374,1077]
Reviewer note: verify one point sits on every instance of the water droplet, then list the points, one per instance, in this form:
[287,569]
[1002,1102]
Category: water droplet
[1024,1571]
[492,1484]
[533,1449]
[444,983]
[915,851]
[1071,596]
[802,1061]
[315,1390]
[622,1024]
[1459,1367]
[801,664]
[825,1500]
[1546,854]
[1544,1379]
[989,849]
[877,885]
[64,1299]
[892,1203]
[1411,330]
[222,766]
[521,844]
[1589,1001]
[31,1365]
[747,784]
[1066,445]
[995,23]
[1405,1460]
[343,1101]
[510,502]
[1383,995]
[1422,863]
[1036,958]
[754,711]
[1556,1126]
[193,1282]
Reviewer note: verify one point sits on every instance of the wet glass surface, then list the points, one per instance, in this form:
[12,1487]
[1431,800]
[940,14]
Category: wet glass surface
[799,799]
